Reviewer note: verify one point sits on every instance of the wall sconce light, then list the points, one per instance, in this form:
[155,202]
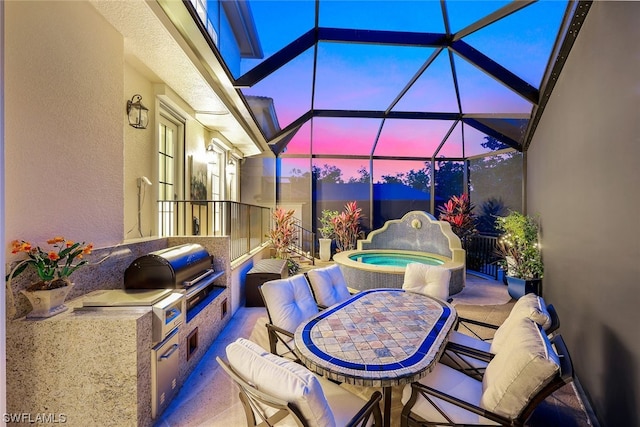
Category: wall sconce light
[212,155]
[138,113]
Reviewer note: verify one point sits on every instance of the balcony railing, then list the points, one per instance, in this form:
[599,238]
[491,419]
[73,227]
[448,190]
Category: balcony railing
[304,242]
[246,225]
[481,254]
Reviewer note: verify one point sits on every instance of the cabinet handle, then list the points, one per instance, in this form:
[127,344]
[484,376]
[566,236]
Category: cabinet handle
[170,352]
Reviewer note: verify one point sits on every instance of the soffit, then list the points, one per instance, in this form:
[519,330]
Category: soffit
[159,55]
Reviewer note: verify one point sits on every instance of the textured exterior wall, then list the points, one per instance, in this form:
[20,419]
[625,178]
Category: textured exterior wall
[64,123]
[583,180]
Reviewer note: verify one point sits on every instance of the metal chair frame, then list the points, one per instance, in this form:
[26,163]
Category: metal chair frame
[564,376]
[254,402]
[462,351]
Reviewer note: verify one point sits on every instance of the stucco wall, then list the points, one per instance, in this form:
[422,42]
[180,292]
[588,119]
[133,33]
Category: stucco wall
[139,158]
[64,123]
[583,178]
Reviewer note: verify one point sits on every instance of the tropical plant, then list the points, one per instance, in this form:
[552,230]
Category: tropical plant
[282,235]
[326,228]
[54,266]
[519,246]
[490,210]
[458,211]
[346,226]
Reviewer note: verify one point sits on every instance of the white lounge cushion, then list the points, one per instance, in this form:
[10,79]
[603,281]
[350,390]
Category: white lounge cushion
[283,379]
[519,371]
[453,383]
[329,285]
[530,306]
[431,280]
[289,301]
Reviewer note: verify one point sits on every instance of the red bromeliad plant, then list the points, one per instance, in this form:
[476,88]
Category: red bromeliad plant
[346,226]
[282,234]
[458,211]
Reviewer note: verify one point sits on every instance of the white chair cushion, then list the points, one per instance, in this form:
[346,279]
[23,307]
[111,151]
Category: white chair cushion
[283,379]
[519,371]
[329,285]
[431,280]
[344,404]
[453,383]
[469,341]
[530,306]
[533,307]
[289,301]
[457,360]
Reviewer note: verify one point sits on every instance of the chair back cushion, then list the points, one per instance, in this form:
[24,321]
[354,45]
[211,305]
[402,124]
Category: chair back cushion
[529,306]
[281,378]
[516,374]
[329,285]
[431,280]
[289,301]
[533,307]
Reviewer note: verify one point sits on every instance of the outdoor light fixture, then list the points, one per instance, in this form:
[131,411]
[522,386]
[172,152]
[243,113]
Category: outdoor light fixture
[138,113]
[212,154]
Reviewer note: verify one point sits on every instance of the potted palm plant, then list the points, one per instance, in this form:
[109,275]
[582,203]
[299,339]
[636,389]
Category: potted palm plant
[327,231]
[519,249]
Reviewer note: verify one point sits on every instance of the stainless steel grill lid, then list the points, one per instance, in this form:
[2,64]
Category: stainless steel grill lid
[167,268]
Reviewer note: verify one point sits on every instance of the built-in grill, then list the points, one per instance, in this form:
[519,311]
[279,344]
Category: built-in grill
[188,267]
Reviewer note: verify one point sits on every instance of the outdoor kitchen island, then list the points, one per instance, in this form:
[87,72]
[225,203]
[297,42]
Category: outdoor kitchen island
[88,367]
[92,367]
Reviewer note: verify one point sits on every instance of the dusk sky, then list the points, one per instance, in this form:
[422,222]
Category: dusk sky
[369,77]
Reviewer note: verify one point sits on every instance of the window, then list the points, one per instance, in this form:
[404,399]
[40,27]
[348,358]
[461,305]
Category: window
[169,172]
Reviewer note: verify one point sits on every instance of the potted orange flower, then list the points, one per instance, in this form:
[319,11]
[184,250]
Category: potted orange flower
[53,266]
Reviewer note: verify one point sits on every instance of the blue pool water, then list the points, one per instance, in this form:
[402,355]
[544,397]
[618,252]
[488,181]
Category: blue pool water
[393,260]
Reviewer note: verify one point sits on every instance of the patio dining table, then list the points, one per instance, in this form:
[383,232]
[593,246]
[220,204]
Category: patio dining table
[377,338]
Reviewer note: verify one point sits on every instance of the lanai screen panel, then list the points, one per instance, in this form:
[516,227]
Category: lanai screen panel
[495,187]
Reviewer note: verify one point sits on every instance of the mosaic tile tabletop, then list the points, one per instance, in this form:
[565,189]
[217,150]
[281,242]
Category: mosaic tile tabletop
[378,338]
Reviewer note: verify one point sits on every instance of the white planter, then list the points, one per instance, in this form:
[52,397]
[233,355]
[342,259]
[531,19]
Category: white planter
[325,249]
[47,303]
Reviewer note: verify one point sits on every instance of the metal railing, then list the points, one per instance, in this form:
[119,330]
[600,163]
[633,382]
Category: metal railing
[481,254]
[246,225]
[304,243]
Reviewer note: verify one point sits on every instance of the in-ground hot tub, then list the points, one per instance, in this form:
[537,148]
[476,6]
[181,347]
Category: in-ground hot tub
[380,260]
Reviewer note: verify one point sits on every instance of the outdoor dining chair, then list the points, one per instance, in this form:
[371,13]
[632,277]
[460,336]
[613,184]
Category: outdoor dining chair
[514,383]
[472,350]
[275,389]
[288,302]
[328,285]
[430,280]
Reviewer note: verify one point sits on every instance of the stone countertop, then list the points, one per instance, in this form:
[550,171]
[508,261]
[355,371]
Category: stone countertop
[93,367]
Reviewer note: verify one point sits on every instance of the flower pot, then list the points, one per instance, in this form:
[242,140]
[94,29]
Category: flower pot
[517,287]
[325,249]
[47,302]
